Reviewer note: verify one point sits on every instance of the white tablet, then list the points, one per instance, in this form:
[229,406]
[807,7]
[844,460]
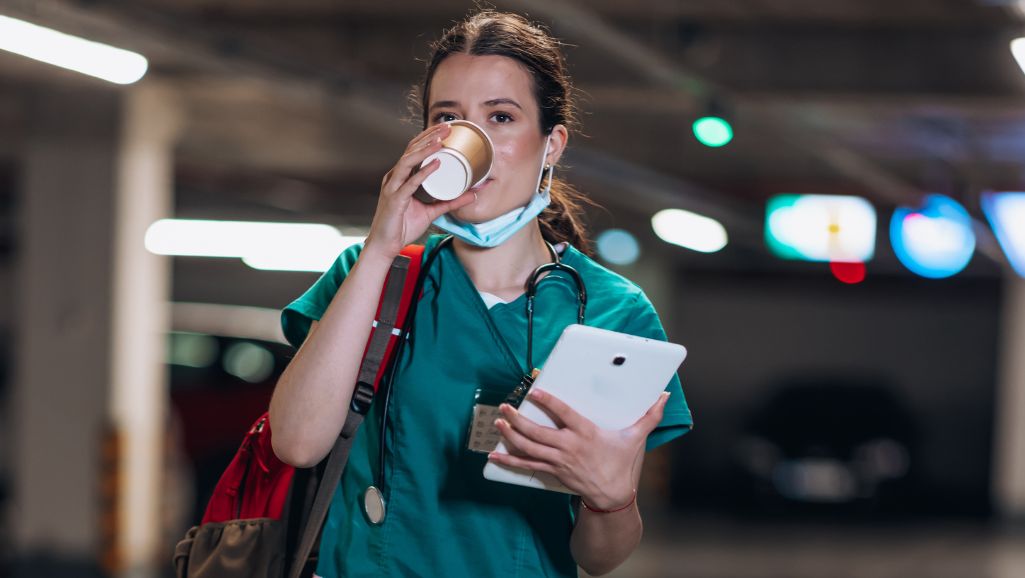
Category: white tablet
[608,377]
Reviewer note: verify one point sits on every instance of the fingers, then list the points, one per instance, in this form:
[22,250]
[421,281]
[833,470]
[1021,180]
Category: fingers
[439,130]
[521,462]
[421,147]
[558,410]
[403,171]
[520,445]
[413,183]
[651,418]
[529,429]
[435,210]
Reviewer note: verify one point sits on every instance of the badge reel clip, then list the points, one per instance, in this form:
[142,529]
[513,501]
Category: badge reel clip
[483,436]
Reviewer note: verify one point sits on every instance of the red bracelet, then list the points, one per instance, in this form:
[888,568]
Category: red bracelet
[619,509]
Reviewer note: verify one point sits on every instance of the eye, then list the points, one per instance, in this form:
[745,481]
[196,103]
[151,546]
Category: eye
[444,117]
[501,117]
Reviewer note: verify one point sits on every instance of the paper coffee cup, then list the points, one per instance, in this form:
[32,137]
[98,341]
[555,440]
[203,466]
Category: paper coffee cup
[466,159]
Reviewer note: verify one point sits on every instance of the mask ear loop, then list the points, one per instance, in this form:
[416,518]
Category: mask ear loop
[545,167]
[551,172]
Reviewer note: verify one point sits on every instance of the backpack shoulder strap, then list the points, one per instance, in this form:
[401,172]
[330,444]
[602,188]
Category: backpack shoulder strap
[392,309]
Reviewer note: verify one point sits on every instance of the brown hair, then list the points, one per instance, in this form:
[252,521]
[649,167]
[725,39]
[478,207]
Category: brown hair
[487,32]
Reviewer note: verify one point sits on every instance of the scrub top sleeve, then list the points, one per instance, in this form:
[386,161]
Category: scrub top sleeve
[297,317]
[676,419]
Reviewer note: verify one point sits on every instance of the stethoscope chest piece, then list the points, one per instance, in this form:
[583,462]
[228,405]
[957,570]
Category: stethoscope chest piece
[373,505]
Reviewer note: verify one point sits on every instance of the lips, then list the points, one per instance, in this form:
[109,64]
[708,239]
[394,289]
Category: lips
[481,186]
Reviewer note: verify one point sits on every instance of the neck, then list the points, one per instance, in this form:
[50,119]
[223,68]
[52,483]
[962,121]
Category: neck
[504,270]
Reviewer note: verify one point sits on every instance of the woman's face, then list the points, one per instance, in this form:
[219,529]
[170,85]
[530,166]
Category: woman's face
[497,94]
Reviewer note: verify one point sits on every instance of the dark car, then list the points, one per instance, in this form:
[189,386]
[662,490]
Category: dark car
[827,445]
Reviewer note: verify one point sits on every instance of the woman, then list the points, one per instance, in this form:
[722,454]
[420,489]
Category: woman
[443,518]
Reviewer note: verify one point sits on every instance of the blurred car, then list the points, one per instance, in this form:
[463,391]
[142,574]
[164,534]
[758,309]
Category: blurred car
[223,362]
[827,445]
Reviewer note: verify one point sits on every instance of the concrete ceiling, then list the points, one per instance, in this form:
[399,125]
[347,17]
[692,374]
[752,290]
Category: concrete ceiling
[295,109]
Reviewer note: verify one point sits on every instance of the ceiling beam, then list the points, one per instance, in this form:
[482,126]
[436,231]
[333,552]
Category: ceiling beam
[795,127]
[291,82]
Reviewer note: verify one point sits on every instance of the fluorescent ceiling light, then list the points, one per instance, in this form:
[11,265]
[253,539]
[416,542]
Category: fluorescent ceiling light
[71,52]
[689,230]
[265,246]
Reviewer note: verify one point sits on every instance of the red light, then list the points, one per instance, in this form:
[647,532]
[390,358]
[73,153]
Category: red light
[849,273]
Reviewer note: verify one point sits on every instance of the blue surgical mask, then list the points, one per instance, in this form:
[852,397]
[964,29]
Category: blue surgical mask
[496,231]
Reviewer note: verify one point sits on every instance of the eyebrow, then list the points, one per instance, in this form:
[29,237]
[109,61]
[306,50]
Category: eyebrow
[492,102]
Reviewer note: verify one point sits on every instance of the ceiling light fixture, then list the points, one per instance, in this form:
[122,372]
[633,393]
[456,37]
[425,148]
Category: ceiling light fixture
[712,129]
[934,240]
[689,230]
[1018,51]
[265,246]
[1006,214]
[831,228]
[71,52]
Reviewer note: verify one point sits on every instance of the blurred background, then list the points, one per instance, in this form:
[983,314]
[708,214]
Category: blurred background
[819,196]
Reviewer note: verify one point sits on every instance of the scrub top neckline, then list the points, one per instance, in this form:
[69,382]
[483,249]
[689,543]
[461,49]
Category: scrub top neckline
[490,299]
[568,256]
[473,296]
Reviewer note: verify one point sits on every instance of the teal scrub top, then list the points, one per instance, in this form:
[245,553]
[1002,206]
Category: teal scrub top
[444,518]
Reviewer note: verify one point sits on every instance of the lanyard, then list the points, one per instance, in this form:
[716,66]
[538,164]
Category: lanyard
[373,497]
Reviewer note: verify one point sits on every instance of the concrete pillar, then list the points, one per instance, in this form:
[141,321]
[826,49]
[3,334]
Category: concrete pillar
[62,374]
[1009,435]
[141,320]
[90,329]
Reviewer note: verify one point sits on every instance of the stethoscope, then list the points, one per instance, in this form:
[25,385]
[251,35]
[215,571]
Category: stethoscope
[373,497]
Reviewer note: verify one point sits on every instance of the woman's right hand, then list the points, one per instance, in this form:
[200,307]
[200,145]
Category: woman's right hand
[401,219]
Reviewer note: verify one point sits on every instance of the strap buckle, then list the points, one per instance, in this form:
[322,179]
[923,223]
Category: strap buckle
[362,397]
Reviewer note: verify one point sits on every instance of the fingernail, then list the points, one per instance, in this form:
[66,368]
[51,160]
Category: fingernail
[499,422]
[537,394]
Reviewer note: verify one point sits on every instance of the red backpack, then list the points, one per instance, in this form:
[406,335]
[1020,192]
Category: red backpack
[261,506]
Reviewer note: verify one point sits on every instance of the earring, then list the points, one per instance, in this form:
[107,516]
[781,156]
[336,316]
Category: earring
[549,170]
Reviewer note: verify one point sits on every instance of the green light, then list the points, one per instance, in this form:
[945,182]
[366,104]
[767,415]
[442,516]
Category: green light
[713,131]
[781,248]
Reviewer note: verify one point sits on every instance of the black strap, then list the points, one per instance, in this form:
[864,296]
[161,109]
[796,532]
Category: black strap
[385,322]
[362,396]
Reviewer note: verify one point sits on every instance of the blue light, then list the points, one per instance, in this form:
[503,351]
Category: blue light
[935,241]
[1006,214]
[618,247]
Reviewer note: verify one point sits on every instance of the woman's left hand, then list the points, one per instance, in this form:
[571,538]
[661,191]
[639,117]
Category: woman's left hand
[595,463]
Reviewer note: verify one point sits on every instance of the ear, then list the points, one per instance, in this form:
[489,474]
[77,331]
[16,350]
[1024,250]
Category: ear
[560,137]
